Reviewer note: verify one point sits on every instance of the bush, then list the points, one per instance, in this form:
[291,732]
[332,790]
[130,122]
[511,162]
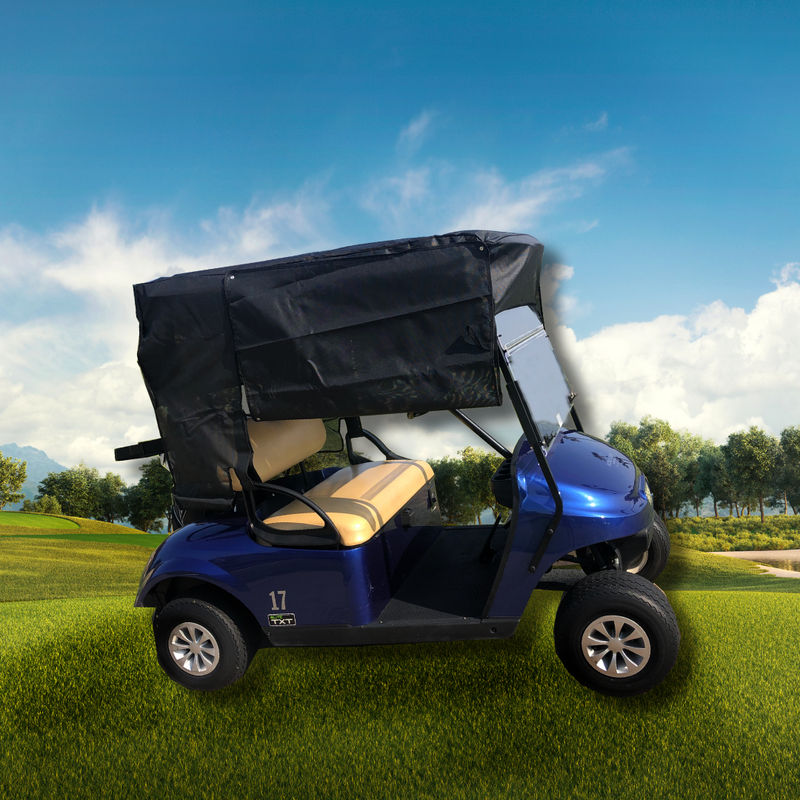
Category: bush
[710,534]
[43,505]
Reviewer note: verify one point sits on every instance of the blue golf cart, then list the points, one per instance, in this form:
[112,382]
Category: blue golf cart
[261,373]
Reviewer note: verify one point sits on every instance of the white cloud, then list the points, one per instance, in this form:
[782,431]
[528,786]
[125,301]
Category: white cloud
[270,231]
[69,381]
[439,197]
[600,124]
[70,385]
[497,204]
[788,273]
[399,200]
[558,305]
[714,372]
[412,136]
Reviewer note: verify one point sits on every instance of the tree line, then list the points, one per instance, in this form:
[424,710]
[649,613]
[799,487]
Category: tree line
[751,470]
[81,492]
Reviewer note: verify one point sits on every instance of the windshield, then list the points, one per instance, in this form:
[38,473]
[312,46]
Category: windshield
[536,369]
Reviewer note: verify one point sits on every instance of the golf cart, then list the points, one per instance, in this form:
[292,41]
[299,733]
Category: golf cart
[256,371]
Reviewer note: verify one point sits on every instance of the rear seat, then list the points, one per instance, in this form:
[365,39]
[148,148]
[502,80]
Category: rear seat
[359,499]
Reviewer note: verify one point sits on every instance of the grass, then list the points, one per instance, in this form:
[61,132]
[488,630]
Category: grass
[17,522]
[26,520]
[150,540]
[38,568]
[85,701]
[87,712]
[103,560]
[690,570]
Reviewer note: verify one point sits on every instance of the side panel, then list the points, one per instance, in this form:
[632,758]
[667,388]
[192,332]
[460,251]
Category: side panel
[603,497]
[349,587]
[320,587]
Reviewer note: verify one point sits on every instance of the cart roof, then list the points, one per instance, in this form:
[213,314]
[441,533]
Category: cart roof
[403,325]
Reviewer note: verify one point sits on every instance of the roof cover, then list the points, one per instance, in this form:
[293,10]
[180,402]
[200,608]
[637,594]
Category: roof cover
[404,325]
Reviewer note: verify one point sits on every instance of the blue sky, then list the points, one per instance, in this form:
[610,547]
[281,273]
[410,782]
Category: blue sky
[653,149]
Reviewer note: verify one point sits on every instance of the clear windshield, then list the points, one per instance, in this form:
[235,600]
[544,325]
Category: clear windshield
[536,369]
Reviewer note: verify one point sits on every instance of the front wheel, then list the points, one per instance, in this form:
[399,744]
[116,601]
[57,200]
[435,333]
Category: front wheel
[199,645]
[655,559]
[616,633]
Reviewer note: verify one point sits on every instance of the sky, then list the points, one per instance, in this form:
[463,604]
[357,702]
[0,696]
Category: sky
[652,148]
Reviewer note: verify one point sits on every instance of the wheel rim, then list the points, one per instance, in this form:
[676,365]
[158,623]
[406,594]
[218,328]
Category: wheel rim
[639,566]
[616,646]
[193,648]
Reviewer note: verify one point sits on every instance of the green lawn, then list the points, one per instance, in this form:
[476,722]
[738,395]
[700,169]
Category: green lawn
[39,568]
[104,560]
[29,524]
[688,569]
[35,520]
[87,711]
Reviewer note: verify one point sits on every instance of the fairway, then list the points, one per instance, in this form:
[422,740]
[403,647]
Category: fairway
[41,568]
[88,712]
[150,540]
[87,704]
[35,520]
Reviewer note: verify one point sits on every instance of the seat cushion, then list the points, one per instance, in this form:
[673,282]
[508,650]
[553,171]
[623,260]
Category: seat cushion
[282,444]
[360,499]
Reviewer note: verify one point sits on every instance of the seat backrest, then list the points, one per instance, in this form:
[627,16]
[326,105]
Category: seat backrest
[281,444]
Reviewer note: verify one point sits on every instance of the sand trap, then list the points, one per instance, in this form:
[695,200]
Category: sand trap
[768,555]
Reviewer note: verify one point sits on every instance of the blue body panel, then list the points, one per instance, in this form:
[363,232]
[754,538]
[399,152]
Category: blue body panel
[603,497]
[321,587]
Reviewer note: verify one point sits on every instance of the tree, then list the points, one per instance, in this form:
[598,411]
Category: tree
[623,436]
[81,492]
[712,477]
[478,466]
[108,503]
[753,461]
[790,473]
[463,486]
[149,501]
[48,505]
[73,488]
[688,461]
[13,473]
[454,504]
[42,505]
[654,447]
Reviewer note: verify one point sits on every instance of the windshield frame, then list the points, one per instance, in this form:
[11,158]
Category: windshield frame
[547,404]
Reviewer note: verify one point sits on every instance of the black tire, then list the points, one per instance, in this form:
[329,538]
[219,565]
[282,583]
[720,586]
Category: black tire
[200,646]
[632,614]
[654,561]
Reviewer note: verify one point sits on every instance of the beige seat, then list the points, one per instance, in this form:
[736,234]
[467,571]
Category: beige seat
[280,445]
[360,499]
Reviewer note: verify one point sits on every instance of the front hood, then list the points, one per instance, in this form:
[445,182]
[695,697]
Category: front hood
[603,492]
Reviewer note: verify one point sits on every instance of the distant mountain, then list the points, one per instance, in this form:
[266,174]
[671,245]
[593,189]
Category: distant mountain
[39,464]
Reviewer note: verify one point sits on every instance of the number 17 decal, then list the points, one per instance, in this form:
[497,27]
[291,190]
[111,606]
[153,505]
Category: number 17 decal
[275,596]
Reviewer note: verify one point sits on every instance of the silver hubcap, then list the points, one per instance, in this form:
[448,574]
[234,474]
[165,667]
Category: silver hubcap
[193,648]
[616,646]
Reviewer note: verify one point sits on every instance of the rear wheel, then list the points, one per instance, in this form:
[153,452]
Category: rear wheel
[616,633]
[199,645]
